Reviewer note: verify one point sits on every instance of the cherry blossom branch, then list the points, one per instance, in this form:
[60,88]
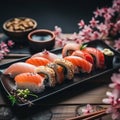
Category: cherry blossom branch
[4,48]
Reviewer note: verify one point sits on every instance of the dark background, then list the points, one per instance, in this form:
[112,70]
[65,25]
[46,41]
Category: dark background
[48,13]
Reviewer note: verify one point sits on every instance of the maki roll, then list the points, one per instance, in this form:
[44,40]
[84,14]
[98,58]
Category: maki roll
[59,71]
[49,75]
[67,66]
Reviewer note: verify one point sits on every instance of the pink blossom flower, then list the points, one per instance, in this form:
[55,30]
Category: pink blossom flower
[116,81]
[114,111]
[116,5]
[103,29]
[3,45]
[98,12]
[81,24]
[117,44]
[87,109]
[4,49]
[93,22]
[107,17]
[95,35]
[10,43]
[112,98]
[57,30]
[60,42]
[74,36]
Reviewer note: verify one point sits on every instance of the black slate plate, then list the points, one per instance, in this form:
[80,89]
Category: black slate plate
[78,80]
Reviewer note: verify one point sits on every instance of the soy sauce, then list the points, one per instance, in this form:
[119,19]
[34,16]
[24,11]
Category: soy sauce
[42,37]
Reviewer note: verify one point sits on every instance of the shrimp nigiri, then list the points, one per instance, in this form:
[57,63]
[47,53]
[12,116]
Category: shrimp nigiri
[46,54]
[80,62]
[98,55]
[69,48]
[19,67]
[37,61]
[32,81]
[84,55]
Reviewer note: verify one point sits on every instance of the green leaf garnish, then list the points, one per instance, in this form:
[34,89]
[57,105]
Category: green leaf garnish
[12,99]
[83,46]
[33,95]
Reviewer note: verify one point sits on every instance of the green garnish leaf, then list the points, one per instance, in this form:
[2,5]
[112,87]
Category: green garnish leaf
[33,95]
[83,46]
[12,99]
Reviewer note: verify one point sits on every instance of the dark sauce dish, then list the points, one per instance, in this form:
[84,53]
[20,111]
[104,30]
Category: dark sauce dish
[41,39]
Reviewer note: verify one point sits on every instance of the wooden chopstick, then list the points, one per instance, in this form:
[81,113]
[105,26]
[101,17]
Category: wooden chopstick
[16,55]
[89,116]
[95,116]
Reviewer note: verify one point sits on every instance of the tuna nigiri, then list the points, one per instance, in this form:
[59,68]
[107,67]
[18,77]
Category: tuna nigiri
[98,55]
[69,48]
[80,62]
[84,55]
[32,81]
[19,67]
[46,54]
[37,61]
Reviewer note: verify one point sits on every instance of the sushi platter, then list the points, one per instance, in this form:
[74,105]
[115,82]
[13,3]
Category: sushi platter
[63,81]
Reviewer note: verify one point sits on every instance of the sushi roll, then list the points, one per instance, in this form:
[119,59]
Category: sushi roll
[80,63]
[67,66]
[32,81]
[46,54]
[49,74]
[37,61]
[19,67]
[84,55]
[58,71]
[69,48]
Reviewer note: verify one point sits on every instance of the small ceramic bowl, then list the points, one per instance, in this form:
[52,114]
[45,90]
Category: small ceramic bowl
[18,28]
[41,39]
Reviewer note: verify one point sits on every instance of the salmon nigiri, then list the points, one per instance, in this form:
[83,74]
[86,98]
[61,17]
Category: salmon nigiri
[80,62]
[37,61]
[84,55]
[46,54]
[69,48]
[32,81]
[19,67]
[98,55]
